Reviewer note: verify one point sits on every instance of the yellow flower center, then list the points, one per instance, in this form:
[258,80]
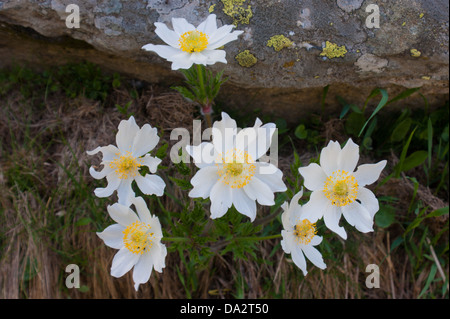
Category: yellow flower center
[193,41]
[126,165]
[236,168]
[137,237]
[305,231]
[341,188]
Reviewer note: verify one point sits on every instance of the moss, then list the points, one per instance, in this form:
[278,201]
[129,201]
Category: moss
[246,59]
[332,50]
[236,10]
[279,42]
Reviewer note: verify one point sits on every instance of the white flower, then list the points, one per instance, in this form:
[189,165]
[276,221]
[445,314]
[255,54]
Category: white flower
[299,236]
[138,238]
[337,189]
[188,45]
[122,163]
[229,171]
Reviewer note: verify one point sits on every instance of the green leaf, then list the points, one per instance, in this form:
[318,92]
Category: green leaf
[385,216]
[301,132]
[83,221]
[415,159]
[185,92]
[381,104]
[399,167]
[354,123]
[430,141]
[403,95]
[438,212]
[401,130]
[429,280]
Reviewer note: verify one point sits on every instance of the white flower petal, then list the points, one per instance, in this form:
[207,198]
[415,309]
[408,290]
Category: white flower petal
[113,184]
[331,218]
[299,259]
[181,61]
[151,162]
[368,173]
[314,256]
[356,215]
[99,175]
[221,199]
[271,175]
[122,215]
[164,51]
[316,240]
[288,241]
[314,177]
[159,255]
[142,210]
[180,26]
[109,152]
[122,262]
[125,136]
[348,157]
[145,140]
[124,192]
[142,270]
[258,190]
[203,181]
[150,184]
[213,56]
[203,154]
[209,26]
[243,203]
[198,58]
[223,133]
[167,35]
[224,40]
[112,236]
[316,207]
[368,200]
[329,157]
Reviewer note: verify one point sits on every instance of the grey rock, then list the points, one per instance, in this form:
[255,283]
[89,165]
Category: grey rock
[330,44]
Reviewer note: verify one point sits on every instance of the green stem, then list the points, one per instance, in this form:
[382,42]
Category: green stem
[200,78]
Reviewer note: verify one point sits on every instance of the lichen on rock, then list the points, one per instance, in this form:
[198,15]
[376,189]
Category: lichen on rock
[236,10]
[332,50]
[246,59]
[279,42]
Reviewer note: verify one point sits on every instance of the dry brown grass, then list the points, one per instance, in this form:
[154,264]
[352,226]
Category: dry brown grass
[33,260]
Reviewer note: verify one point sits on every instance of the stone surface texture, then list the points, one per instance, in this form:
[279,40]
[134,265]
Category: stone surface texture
[292,48]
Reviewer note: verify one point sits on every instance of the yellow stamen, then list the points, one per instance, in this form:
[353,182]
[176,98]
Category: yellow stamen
[305,231]
[236,168]
[137,238]
[341,188]
[193,41]
[126,165]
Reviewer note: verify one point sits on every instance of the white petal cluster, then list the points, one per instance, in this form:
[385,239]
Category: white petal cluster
[122,163]
[299,235]
[138,239]
[230,173]
[337,189]
[187,45]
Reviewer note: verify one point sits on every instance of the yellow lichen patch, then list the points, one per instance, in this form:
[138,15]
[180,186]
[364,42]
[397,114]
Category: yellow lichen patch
[427,78]
[421,15]
[211,8]
[332,50]
[237,10]
[246,59]
[279,42]
[415,53]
